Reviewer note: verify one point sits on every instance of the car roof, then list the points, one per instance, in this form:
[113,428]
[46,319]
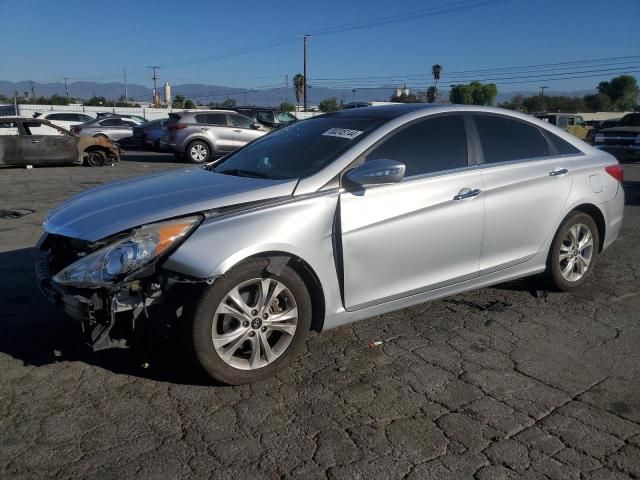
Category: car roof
[383,111]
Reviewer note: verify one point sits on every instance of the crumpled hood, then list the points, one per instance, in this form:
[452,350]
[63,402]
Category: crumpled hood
[112,208]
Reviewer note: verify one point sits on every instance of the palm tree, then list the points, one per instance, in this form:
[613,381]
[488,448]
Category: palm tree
[298,83]
[436,70]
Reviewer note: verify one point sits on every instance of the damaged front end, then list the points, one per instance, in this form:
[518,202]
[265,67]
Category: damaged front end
[113,287]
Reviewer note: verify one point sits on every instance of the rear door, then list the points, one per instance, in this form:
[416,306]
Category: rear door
[526,186]
[422,233]
[242,131]
[217,129]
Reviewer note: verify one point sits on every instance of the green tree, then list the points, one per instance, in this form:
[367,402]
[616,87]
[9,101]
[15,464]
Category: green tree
[436,70]
[431,94]
[287,107]
[622,90]
[298,83]
[228,103]
[474,93]
[188,103]
[329,105]
[178,101]
[95,102]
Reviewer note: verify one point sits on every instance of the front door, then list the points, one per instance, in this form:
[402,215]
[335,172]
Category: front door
[242,131]
[48,149]
[419,234]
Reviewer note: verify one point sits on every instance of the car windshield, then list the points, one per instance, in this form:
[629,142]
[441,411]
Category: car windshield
[299,150]
[285,117]
[630,121]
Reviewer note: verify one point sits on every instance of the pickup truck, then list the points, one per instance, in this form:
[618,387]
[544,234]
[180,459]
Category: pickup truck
[623,140]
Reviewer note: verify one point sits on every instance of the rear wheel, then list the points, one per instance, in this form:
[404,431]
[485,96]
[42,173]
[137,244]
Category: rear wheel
[96,158]
[250,323]
[198,152]
[573,252]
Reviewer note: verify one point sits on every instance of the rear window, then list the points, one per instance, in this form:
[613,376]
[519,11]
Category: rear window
[505,140]
[111,122]
[299,150]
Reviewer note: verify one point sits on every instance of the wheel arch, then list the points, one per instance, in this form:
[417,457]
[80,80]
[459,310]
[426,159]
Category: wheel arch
[598,217]
[278,260]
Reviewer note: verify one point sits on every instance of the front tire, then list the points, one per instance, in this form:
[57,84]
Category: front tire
[198,152]
[96,158]
[573,252]
[250,323]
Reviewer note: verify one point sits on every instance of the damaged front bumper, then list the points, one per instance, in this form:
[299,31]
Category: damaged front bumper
[121,315]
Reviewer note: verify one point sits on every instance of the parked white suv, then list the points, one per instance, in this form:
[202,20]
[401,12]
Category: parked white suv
[62,119]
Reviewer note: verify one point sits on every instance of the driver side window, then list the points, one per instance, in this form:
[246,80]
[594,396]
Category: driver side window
[430,146]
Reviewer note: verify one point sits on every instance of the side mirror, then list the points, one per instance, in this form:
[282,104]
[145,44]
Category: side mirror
[377,172]
[255,126]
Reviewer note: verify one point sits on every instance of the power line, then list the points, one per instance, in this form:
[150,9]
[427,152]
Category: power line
[544,66]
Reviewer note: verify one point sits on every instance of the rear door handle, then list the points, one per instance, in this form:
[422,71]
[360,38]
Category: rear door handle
[34,141]
[467,193]
[238,131]
[204,128]
[558,172]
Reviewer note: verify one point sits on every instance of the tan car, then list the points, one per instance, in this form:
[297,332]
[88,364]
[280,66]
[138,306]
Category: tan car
[21,146]
[570,122]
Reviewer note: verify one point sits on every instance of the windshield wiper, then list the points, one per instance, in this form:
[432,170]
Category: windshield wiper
[243,173]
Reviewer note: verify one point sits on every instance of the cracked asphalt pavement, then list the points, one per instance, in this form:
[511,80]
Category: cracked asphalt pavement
[503,382]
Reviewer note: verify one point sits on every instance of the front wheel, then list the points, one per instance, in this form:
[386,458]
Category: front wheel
[96,158]
[573,252]
[250,323]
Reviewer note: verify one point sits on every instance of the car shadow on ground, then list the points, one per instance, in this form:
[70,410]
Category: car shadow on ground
[144,156]
[34,331]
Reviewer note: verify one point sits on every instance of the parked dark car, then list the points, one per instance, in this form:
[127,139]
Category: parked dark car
[623,140]
[148,135]
[19,146]
[272,118]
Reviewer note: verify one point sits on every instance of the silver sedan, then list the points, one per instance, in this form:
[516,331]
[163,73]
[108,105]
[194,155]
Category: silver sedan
[328,221]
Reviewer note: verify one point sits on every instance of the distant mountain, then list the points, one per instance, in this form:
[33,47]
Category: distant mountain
[218,93]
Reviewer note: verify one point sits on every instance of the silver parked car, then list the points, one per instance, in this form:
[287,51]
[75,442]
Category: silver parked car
[113,127]
[328,221]
[200,136]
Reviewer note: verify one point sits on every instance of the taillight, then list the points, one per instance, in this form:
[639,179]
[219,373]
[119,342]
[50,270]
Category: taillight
[177,126]
[616,171]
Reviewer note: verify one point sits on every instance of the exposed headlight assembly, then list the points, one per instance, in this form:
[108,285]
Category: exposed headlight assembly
[109,264]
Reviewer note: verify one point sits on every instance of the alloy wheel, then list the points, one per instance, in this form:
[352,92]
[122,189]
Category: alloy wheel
[254,324]
[198,152]
[576,252]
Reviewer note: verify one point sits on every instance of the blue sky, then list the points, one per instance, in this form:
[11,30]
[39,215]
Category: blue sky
[87,40]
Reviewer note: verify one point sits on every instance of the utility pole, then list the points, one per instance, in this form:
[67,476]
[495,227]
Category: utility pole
[286,88]
[305,71]
[33,94]
[154,77]
[354,95]
[126,96]
[542,91]
[66,88]
[15,102]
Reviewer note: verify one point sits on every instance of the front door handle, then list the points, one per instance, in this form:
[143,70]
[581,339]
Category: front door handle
[238,131]
[34,141]
[558,172]
[467,193]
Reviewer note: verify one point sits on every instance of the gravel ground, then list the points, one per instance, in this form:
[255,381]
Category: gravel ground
[496,383]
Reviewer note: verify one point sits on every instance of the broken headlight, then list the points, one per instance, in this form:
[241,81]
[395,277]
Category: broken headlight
[126,255]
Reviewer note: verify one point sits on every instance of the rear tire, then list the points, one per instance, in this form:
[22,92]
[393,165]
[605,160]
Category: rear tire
[198,152]
[247,340]
[573,253]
